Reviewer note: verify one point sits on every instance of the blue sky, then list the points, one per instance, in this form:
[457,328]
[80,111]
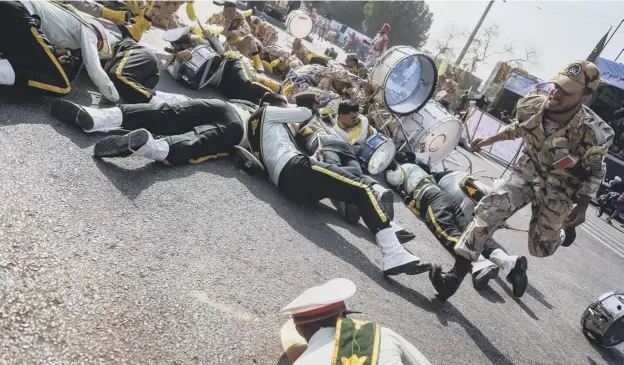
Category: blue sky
[561,31]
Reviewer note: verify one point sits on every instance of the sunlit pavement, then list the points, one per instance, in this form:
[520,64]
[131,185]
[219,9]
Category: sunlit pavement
[127,261]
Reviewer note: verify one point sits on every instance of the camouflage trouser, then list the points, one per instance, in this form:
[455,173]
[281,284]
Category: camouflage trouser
[549,210]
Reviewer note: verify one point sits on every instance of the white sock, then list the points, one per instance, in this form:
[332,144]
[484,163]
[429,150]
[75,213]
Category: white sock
[394,254]
[503,260]
[155,149]
[481,264]
[105,120]
[162,97]
[7,74]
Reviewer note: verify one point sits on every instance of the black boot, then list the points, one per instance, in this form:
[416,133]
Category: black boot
[447,283]
[570,236]
[517,277]
[481,278]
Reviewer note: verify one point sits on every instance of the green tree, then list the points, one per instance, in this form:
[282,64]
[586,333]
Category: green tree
[350,13]
[410,21]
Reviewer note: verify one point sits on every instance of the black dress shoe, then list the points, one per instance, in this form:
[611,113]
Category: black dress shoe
[405,236]
[71,113]
[517,277]
[411,268]
[121,146]
[447,283]
[481,278]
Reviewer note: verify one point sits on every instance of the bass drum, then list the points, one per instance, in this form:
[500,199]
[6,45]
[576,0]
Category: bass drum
[404,79]
[299,24]
[431,130]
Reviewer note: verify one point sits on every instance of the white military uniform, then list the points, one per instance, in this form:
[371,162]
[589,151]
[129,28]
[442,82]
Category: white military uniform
[393,349]
[64,30]
[358,134]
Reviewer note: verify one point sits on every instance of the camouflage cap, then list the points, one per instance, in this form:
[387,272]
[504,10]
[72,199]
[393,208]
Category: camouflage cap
[577,75]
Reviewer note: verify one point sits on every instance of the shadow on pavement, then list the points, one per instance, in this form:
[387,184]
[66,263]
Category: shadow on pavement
[329,240]
[612,356]
[284,360]
[490,294]
[446,312]
[537,295]
[523,306]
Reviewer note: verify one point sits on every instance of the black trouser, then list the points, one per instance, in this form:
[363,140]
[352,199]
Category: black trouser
[134,72]
[196,130]
[445,219]
[31,55]
[238,82]
[307,181]
[340,152]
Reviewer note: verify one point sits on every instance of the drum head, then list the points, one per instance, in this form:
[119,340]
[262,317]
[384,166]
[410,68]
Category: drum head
[410,82]
[299,24]
[381,158]
[441,141]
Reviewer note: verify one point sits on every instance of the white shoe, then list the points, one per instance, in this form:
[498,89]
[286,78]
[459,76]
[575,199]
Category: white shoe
[7,74]
[396,259]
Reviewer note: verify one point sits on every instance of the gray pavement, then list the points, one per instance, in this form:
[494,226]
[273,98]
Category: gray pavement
[128,261]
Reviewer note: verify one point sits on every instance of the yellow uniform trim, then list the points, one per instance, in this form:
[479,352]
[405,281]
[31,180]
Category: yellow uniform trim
[209,157]
[376,343]
[40,85]
[352,137]
[382,215]
[336,340]
[123,79]
[438,228]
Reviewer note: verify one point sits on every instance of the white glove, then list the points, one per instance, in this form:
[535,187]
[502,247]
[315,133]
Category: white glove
[110,92]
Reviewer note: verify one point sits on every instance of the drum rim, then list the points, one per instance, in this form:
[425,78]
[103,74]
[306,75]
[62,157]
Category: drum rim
[384,141]
[435,79]
[289,19]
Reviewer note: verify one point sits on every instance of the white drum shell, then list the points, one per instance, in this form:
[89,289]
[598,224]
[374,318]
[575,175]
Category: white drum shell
[299,24]
[423,88]
[420,126]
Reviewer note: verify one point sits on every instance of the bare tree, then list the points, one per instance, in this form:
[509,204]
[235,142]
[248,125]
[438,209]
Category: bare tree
[444,47]
[520,59]
[483,48]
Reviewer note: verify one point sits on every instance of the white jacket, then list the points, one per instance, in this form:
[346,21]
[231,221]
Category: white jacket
[356,135]
[393,349]
[64,30]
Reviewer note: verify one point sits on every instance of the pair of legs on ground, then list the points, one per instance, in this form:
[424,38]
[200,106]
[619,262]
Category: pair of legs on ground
[307,181]
[191,131]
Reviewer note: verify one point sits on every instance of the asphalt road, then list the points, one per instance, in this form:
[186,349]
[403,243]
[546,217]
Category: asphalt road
[128,261]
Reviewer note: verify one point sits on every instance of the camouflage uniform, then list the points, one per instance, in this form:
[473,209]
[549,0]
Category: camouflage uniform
[551,191]
[266,34]
[243,40]
[320,79]
[164,14]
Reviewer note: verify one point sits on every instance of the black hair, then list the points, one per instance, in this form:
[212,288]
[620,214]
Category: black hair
[273,99]
[229,4]
[309,329]
[587,91]
[348,106]
[306,102]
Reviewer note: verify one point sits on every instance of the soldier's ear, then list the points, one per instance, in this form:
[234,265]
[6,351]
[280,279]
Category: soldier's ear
[585,98]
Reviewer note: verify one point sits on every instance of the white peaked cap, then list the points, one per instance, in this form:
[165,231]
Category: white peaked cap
[175,34]
[321,302]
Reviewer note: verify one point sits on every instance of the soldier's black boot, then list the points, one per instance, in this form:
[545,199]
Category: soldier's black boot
[447,283]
